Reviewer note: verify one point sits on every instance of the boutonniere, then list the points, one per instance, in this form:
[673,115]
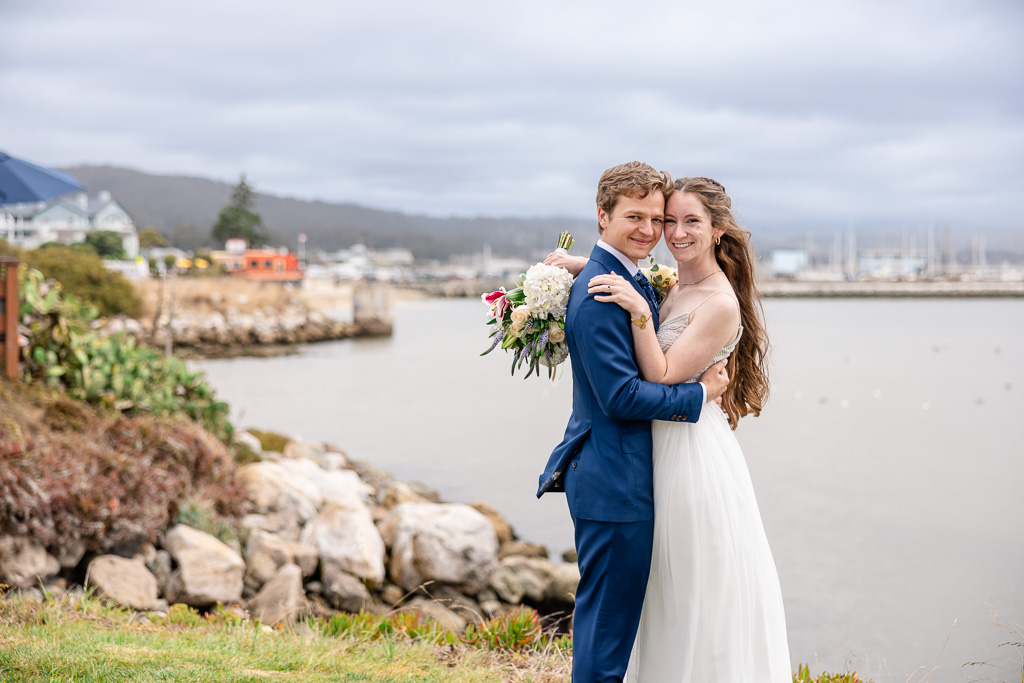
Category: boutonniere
[662,278]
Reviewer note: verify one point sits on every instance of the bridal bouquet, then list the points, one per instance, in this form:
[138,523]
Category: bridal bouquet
[530,319]
[662,278]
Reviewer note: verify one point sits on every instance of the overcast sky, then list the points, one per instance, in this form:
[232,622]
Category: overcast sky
[809,111]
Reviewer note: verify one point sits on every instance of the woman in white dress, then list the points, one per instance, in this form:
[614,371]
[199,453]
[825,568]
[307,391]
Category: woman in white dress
[713,609]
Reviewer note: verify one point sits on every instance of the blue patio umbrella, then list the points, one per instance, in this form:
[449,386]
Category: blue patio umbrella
[23,181]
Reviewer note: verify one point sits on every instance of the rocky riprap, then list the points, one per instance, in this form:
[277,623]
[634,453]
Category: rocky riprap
[234,332]
[325,534]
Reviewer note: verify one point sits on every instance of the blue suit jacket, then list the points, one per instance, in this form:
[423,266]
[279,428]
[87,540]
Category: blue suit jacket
[608,438]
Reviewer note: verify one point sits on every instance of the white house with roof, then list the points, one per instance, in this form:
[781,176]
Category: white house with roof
[67,219]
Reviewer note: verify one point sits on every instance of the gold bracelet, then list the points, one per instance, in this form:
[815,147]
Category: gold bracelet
[641,322]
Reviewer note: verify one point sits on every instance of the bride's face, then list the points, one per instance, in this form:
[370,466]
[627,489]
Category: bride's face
[688,232]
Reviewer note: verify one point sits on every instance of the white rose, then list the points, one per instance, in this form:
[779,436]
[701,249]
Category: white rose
[555,333]
[516,328]
[521,314]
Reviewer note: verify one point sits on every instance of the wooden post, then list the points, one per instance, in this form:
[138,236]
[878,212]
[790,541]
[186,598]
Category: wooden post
[9,315]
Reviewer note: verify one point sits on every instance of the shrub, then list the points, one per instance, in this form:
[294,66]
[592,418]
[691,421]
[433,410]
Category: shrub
[114,482]
[106,243]
[7,250]
[116,372]
[84,276]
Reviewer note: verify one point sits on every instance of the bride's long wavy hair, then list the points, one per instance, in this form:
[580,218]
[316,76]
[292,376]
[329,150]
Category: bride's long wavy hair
[748,366]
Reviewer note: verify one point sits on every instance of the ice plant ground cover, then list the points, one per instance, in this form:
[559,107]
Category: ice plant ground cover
[529,320]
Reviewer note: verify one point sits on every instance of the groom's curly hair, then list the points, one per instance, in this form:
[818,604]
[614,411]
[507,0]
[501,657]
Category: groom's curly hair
[634,179]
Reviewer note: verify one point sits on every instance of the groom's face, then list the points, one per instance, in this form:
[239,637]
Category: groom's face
[634,224]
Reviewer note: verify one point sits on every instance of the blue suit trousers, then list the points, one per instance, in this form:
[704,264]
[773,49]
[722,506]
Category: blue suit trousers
[615,562]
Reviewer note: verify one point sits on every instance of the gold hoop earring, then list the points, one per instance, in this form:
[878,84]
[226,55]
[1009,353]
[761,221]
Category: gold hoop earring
[718,240]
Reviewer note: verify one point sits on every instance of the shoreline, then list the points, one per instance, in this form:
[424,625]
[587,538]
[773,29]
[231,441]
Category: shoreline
[881,289]
[890,289]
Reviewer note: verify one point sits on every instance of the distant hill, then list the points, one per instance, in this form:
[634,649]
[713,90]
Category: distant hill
[185,208]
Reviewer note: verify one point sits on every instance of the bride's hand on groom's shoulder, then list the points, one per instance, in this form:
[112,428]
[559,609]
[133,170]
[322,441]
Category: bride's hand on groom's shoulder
[616,289]
[574,264]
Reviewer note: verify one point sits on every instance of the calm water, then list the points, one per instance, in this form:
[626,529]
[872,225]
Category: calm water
[889,465]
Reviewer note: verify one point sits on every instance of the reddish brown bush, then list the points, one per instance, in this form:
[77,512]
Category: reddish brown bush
[72,473]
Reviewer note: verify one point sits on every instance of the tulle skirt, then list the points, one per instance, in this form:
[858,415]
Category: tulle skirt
[713,610]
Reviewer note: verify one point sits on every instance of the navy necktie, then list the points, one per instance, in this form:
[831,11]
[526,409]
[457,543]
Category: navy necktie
[647,289]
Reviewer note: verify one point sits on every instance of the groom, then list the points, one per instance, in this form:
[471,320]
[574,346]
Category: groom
[604,461]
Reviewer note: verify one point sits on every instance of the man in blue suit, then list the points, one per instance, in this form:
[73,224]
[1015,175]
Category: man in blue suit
[603,463]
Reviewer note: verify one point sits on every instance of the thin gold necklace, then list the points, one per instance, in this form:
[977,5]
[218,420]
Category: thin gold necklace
[684,284]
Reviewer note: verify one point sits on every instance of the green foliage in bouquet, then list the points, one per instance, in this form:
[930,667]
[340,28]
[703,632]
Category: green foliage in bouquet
[65,352]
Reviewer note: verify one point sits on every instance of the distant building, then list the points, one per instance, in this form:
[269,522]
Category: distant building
[788,262]
[892,263]
[67,219]
[266,265]
[359,261]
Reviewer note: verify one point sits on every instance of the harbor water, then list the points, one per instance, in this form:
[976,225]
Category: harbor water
[888,464]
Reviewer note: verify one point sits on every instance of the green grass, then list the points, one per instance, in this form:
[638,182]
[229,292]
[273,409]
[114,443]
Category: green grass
[84,639]
[59,640]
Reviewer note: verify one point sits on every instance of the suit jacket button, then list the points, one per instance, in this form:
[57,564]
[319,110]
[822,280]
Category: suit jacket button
[684,418]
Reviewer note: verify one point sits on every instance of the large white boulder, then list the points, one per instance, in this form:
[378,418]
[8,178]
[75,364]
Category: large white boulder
[125,581]
[448,543]
[333,485]
[347,539]
[274,487]
[208,571]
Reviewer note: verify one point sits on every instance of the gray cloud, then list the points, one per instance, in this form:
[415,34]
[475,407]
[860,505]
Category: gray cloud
[812,113]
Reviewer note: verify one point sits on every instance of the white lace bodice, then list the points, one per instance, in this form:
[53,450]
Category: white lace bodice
[670,329]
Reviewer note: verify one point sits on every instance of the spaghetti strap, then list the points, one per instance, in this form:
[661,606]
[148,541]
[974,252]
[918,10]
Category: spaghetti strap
[728,294]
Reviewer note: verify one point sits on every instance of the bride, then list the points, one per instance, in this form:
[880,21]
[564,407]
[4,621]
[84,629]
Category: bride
[713,609]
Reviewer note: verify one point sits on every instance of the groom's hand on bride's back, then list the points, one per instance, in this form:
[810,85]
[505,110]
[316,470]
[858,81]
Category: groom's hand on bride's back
[716,380]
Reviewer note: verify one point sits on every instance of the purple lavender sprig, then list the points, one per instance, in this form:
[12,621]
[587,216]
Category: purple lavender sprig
[497,339]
